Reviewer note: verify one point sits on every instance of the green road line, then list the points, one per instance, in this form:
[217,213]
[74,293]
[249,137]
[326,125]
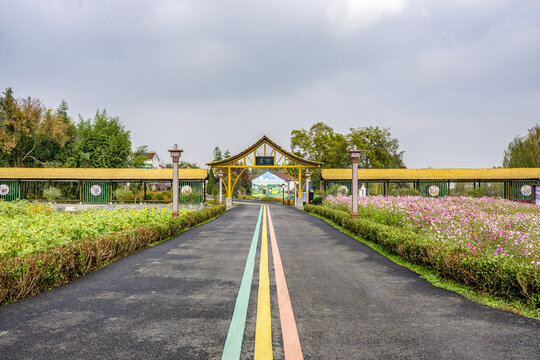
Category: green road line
[233,344]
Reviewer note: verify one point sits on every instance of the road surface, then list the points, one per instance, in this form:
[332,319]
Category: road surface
[220,291]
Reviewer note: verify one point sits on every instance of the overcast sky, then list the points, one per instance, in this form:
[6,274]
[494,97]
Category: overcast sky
[455,81]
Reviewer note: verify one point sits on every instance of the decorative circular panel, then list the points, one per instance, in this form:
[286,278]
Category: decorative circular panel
[95,190]
[4,189]
[434,190]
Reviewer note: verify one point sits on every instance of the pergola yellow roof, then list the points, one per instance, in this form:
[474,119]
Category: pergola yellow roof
[434,174]
[100,174]
[265,139]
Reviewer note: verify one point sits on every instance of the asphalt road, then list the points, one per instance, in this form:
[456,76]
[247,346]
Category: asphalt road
[176,300]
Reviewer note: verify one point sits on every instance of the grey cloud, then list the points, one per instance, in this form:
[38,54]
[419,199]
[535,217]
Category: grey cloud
[459,69]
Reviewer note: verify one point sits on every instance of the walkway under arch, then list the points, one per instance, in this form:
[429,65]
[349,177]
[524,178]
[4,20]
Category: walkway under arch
[264,153]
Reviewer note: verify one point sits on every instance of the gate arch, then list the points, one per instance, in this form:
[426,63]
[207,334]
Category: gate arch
[264,153]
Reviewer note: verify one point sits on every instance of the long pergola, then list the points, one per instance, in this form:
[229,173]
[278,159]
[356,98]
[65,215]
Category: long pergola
[11,179]
[508,176]
[264,153]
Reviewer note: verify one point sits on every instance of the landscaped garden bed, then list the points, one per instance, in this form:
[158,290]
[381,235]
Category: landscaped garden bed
[491,245]
[41,248]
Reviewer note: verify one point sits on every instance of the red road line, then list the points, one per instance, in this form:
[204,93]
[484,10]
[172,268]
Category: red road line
[291,341]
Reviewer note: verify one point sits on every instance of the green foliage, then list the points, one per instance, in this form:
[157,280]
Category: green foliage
[30,228]
[187,165]
[491,189]
[379,149]
[123,195]
[524,152]
[51,193]
[102,142]
[317,200]
[478,192]
[139,157]
[404,191]
[321,143]
[28,130]
[57,263]
[498,276]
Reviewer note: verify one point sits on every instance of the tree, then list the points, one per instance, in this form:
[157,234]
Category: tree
[321,143]
[183,165]
[25,124]
[52,154]
[524,151]
[213,178]
[380,150]
[139,157]
[102,142]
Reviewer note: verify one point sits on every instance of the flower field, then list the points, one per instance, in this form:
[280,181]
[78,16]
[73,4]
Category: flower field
[483,225]
[32,227]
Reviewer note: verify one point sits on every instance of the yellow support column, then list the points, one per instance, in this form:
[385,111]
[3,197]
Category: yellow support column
[299,203]
[228,201]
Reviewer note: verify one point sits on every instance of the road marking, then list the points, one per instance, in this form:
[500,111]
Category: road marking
[233,344]
[291,341]
[263,332]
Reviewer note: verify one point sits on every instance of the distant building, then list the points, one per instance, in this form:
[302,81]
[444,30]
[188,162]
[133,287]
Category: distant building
[153,161]
[270,184]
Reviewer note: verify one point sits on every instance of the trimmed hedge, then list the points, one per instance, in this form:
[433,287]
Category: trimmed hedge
[495,275]
[26,276]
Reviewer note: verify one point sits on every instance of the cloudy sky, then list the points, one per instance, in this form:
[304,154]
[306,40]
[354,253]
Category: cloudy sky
[454,80]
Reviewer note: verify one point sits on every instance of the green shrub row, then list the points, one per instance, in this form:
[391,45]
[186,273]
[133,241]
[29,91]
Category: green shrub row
[495,275]
[26,276]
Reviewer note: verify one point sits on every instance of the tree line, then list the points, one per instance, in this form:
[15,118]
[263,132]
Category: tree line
[34,135]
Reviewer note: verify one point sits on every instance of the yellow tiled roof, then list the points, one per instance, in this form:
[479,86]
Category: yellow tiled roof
[433,174]
[100,174]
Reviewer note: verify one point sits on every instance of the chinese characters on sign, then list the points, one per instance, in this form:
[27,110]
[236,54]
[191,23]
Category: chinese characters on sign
[264,160]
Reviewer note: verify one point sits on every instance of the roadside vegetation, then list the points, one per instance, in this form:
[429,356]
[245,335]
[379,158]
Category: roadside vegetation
[490,245]
[41,248]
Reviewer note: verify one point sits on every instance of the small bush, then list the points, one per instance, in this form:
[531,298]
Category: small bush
[123,195]
[478,192]
[405,192]
[159,197]
[51,193]
[317,200]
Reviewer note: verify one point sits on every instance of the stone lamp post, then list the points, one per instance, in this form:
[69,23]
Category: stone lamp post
[355,156]
[307,174]
[175,154]
[220,174]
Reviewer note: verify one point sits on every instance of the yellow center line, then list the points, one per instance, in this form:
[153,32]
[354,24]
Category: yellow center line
[263,332]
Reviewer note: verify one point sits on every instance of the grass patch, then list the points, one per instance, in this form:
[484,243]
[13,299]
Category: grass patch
[436,279]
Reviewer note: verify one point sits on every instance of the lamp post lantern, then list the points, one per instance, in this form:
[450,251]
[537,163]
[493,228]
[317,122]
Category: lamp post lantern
[307,186]
[175,154]
[355,156]
[220,174]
